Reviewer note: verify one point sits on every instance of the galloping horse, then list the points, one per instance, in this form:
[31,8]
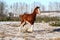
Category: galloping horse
[29,18]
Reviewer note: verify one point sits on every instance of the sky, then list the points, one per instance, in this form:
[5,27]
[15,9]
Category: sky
[44,2]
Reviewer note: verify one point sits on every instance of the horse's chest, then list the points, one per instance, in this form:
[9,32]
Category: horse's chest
[31,20]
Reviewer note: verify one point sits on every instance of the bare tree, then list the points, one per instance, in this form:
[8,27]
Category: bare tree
[11,14]
[2,8]
[50,7]
[55,6]
[43,8]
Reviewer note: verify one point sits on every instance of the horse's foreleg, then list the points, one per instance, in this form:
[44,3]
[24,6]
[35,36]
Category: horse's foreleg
[30,27]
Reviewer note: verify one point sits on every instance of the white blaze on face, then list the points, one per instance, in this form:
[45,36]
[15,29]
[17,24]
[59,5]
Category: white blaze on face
[38,11]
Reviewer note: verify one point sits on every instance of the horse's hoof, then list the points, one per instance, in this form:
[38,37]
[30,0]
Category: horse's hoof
[29,31]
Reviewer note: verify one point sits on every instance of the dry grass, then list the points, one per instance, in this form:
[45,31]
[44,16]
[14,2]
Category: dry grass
[57,39]
[54,39]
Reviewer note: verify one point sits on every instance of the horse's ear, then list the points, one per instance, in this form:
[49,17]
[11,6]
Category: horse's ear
[38,7]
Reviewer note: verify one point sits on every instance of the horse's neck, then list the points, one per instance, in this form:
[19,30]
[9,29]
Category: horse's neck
[34,14]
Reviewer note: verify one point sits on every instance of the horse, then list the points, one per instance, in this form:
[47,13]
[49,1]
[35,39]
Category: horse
[29,18]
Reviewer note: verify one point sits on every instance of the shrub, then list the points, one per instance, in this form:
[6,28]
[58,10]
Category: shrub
[55,23]
[46,19]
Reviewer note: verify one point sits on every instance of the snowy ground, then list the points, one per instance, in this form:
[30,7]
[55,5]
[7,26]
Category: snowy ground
[42,31]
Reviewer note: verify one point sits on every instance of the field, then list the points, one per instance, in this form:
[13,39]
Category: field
[41,31]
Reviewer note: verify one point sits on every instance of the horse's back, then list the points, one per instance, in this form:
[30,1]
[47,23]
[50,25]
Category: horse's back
[22,17]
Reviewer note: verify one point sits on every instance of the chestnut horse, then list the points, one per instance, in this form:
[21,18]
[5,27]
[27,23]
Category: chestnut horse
[29,18]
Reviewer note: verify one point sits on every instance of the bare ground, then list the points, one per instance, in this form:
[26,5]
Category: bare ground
[42,31]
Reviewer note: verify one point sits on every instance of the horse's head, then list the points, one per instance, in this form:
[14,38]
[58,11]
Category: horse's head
[37,10]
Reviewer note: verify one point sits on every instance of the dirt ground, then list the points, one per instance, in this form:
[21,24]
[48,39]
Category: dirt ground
[41,31]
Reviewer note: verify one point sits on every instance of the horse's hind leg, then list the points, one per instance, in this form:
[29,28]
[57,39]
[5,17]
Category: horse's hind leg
[21,22]
[24,24]
[21,26]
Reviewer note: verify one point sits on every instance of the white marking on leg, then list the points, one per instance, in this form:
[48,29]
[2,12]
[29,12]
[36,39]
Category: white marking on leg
[29,27]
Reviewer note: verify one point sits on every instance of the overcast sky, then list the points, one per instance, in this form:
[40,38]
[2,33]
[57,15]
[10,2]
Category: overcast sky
[44,2]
